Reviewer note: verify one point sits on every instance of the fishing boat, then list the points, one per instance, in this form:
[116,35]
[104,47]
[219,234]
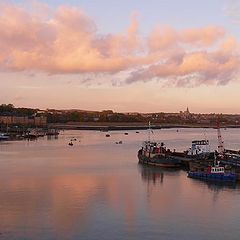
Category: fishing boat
[212,173]
[156,154]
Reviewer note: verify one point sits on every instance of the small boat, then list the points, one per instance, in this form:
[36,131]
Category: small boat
[107,135]
[31,134]
[213,173]
[125,133]
[70,144]
[137,132]
[52,132]
[4,137]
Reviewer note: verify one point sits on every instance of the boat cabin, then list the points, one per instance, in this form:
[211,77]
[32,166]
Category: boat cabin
[153,148]
[216,170]
[199,147]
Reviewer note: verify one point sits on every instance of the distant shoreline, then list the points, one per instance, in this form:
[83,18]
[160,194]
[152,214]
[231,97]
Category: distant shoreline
[115,126]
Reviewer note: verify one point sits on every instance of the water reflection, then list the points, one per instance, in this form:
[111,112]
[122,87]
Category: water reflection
[155,175]
[61,203]
[51,191]
[52,137]
[217,187]
[151,175]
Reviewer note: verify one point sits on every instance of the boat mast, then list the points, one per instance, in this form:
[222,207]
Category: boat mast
[149,131]
[220,141]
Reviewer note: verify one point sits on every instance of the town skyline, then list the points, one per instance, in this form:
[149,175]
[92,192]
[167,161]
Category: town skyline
[12,116]
[179,111]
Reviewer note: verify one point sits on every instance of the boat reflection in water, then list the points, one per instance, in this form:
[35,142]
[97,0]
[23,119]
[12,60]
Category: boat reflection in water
[150,174]
[156,175]
[52,137]
[217,185]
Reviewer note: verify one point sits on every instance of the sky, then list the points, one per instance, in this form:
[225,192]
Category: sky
[128,56]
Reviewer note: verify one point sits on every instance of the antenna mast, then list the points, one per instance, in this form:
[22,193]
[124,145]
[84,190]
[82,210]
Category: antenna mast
[149,131]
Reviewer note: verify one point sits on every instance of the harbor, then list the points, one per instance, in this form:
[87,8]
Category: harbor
[197,159]
[201,162]
[14,133]
[92,184]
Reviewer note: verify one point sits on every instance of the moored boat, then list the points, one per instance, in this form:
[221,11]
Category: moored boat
[4,137]
[212,173]
[52,132]
[155,154]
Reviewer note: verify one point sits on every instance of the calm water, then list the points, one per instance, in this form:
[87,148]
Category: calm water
[96,190]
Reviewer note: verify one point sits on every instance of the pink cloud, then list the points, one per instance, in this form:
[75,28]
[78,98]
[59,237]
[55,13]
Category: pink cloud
[167,37]
[67,40]
[203,36]
[193,69]
[162,38]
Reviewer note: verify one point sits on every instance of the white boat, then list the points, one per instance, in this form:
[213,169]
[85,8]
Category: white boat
[199,147]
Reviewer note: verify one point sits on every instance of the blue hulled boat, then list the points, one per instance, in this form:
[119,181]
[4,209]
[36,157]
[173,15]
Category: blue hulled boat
[213,173]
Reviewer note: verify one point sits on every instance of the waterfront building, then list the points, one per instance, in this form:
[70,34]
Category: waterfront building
[37,120]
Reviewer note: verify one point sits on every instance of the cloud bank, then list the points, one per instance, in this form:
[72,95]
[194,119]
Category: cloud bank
[66,40]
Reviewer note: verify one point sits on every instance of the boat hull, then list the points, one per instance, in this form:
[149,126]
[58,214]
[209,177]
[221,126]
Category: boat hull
[213,176]
[159,161]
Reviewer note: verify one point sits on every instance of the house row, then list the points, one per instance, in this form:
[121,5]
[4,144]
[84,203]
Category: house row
[23,120]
